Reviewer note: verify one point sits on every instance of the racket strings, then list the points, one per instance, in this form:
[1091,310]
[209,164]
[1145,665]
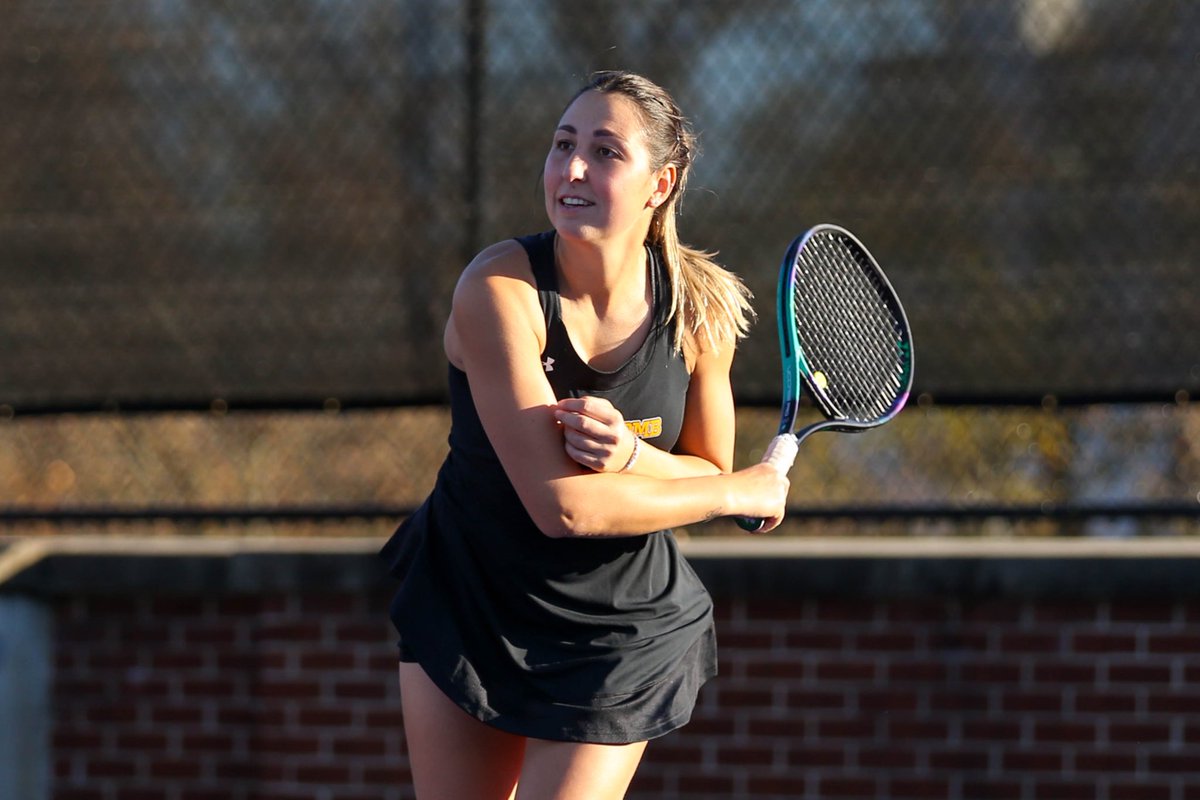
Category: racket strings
[848,329]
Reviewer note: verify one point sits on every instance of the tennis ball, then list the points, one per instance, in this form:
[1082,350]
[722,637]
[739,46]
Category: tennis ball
[820,380]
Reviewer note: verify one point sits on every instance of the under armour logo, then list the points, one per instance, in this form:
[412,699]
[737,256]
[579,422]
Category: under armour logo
[548,364]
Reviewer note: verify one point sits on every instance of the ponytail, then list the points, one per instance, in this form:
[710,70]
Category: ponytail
[710,306]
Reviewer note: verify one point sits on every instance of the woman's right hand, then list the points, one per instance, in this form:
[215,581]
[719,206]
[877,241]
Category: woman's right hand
[762,494]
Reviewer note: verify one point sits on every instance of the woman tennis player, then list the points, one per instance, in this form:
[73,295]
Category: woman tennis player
[548,625]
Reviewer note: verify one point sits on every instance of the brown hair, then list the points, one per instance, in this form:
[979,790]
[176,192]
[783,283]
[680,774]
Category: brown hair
[708,302]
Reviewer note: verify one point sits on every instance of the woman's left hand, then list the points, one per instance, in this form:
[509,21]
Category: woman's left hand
[594,433]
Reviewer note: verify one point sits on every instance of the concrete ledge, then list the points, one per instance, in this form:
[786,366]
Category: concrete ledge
[117,565]
[1161,568]
[962,569]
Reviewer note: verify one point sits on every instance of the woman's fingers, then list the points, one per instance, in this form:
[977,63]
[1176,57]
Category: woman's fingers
[593,431]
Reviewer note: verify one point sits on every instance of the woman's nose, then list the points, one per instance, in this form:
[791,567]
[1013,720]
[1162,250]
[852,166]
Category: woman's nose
[576,168]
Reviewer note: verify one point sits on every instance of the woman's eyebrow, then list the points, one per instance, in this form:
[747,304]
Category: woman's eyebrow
[599,132]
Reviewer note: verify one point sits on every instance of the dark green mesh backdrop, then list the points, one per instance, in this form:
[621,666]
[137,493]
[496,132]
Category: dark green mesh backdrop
[224,205]
[269,202]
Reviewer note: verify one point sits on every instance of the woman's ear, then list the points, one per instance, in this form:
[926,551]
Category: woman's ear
[664,185]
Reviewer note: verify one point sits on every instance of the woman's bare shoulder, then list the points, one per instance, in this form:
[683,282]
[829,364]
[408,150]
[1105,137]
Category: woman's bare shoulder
[505,259]
[496,290]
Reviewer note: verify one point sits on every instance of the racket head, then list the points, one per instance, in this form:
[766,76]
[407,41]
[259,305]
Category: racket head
[843,334]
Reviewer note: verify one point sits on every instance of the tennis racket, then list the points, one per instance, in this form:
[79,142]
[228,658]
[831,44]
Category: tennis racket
[843,337]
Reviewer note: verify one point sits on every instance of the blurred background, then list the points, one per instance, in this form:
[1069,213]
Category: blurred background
[229,233]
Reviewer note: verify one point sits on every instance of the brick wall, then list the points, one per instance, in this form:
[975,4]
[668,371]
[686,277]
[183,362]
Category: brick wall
[925,700]
[1087,687]
[220,698]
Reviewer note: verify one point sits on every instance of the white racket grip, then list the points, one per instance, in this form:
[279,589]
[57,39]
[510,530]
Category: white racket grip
[781,452]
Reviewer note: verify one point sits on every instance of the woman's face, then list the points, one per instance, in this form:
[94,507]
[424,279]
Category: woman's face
[598,178]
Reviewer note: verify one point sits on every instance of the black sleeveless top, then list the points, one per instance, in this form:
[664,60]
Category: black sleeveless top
[649,388]
[599,640]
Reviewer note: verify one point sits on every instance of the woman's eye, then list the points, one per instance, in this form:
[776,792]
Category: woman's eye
[562,144]
[607,152]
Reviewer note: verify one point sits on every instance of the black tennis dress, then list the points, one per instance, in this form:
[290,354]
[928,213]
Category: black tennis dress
[589,640]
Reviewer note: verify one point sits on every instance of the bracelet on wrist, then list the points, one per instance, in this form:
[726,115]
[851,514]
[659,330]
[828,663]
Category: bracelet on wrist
[633,456]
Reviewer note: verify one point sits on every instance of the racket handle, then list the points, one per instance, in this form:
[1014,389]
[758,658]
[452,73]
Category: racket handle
[781,454]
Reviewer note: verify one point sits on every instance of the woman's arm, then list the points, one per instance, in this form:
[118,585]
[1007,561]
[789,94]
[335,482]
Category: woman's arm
[495,331]
[597,438]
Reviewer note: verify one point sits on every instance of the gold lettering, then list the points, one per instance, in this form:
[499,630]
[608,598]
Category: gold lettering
[645,428]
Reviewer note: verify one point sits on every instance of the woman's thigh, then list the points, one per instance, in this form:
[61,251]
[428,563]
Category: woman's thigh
[453,755]
[577,771]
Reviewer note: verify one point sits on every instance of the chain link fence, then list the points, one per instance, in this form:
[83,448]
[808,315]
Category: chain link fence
[214,206]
